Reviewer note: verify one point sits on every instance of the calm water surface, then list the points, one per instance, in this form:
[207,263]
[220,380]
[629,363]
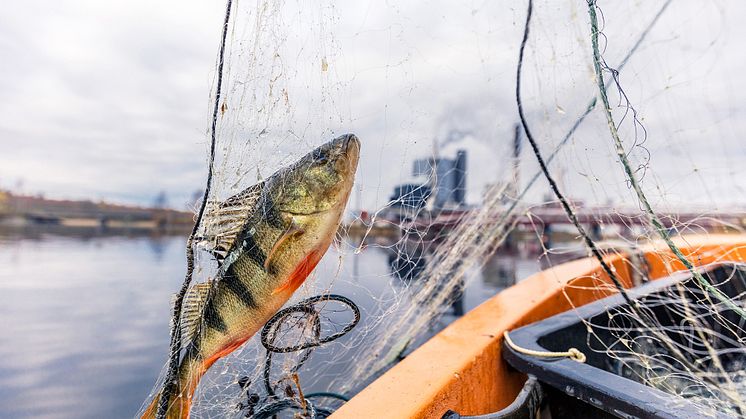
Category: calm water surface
[85,320]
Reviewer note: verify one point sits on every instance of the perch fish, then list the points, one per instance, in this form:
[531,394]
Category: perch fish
[267,240]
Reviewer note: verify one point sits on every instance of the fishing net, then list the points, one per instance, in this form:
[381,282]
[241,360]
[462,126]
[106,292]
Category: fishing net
[418,83]
[680,340]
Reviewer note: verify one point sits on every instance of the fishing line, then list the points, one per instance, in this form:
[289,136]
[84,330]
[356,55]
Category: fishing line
[173,363]
[588,109]
[542,164]
[465,244]
[565,205]
[598,63]
[710,335]
[675,353]
[266,49]
[466,236]
[634,305]
[579,121]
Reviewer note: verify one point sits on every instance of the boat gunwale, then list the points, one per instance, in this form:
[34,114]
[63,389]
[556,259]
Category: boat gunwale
[640,399]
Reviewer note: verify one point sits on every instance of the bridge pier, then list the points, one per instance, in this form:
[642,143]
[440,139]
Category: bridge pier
[546,236]
[595,231]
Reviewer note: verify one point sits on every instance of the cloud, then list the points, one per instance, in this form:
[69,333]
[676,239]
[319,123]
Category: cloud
[104,99]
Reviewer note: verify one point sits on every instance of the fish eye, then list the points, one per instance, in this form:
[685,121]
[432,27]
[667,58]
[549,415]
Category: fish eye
[320,157]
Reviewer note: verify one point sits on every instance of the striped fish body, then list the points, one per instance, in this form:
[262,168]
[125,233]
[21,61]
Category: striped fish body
[281,240]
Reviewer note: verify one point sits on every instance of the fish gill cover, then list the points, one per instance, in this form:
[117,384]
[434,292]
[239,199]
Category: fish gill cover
[627,130]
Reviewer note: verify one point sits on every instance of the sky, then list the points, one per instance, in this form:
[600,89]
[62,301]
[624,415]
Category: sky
[111,100]
[105,99]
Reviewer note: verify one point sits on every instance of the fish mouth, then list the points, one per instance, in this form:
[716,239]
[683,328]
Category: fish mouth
[349,145]
[352,148]
[345,141]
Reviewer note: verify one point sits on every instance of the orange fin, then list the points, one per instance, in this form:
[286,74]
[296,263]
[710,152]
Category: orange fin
[292,231]
[226,350]
[300,273]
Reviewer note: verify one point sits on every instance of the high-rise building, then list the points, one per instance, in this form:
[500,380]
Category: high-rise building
[410,196]
[459,178]
[422,167]
[444,178]
[444,182]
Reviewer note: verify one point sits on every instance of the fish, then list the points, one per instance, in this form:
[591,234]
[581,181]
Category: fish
[266,239]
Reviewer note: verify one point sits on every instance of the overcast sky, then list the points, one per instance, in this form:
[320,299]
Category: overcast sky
[112,99]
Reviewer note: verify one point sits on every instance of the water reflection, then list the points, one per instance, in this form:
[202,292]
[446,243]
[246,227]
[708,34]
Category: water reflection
[83,323]
[407,262]
[501,271]
[408,259]
[85,317]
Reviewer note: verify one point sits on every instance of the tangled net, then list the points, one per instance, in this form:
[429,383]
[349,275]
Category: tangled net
[685,344]
[292,324]
[297,75]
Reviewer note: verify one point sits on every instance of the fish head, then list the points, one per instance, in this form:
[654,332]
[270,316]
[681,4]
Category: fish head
[321,180]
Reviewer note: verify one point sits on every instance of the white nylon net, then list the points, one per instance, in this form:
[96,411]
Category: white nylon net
[418,82]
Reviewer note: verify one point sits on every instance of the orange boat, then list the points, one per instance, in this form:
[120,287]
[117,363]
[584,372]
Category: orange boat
[462,369]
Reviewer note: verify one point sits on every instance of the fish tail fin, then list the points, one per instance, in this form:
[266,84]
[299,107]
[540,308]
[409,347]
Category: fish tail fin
[180,399]
[178,407]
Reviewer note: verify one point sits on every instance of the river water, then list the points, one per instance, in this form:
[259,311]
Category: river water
[84,319]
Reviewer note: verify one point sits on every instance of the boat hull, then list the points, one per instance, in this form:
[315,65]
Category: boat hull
[462,369]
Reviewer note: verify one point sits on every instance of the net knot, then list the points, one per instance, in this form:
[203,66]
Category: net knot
[576,355]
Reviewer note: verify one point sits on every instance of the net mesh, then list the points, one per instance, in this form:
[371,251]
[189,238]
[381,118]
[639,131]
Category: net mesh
[416,83]
[678,340]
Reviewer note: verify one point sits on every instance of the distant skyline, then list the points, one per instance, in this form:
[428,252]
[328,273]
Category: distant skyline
[111,100]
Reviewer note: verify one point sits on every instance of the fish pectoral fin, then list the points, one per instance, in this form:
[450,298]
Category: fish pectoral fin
[295,280]
[292,231]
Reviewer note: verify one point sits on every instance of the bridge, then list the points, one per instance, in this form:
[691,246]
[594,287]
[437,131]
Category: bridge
[622,217]
[29,211]
[545,218]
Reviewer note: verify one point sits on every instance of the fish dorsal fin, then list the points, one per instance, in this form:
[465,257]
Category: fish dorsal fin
[191,309]
[223,221]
